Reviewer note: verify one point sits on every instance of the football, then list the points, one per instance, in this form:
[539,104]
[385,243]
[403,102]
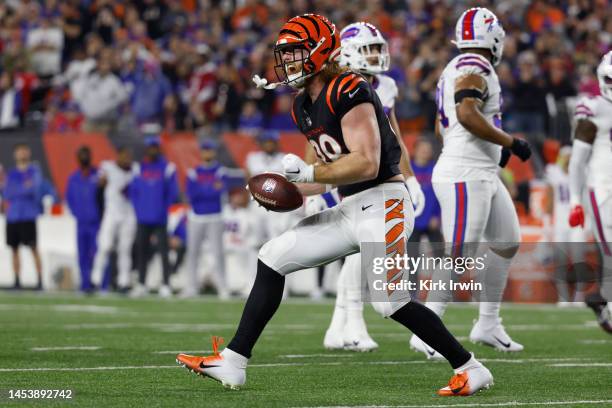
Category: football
[275,193]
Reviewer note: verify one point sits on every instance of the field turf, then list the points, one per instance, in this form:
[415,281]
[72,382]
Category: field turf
[126,351]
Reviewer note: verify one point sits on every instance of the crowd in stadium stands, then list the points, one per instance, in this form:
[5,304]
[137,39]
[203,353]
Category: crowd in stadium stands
[168,65]
[187,64]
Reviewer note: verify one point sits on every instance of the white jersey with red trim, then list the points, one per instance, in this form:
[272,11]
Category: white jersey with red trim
[386,89]
[599,111]
[466,157]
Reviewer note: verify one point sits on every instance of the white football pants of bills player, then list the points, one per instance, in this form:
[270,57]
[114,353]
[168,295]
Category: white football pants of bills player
[382,215]
[599,202]
[119,228]
[473,212]
[205,228]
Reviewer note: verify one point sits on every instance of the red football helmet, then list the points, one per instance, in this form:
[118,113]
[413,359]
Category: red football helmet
[312,40]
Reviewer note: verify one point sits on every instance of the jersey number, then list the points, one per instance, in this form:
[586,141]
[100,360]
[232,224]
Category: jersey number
[440,103]
[326,148]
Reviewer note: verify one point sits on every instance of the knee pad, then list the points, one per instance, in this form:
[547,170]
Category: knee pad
[505,249]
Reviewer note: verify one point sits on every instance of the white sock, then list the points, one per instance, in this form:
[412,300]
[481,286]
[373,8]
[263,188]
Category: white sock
[471,363]
[235,359]
[354,311]
[494,283]
[339,316]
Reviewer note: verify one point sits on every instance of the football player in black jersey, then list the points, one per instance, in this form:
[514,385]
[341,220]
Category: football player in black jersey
[344,121]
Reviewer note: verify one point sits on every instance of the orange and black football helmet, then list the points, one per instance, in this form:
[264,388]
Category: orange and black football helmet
[312,40]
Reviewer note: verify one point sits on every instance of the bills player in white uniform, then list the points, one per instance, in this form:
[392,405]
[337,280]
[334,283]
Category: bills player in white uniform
[269,159]
[242,237]
[593,145]
[568,250]
[365,50]
[475,204]
[119,220]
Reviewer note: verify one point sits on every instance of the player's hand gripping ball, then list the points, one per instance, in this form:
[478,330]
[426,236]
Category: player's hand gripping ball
[275,193]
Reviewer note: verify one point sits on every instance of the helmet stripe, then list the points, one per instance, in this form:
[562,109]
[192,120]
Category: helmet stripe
[467,31]
[314,23]
[304,24]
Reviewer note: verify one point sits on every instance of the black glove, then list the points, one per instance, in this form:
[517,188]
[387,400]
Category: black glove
[521,149]
[505,156]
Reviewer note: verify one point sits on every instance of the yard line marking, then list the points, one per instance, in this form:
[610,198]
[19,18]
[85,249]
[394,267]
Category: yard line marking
[84,348]
[581,365]
[598,341]
[181,351]
[176,327]
[534,327]
[532,360]
[8,370]
[296,364]
[477,404]
[76,308]
[315,355]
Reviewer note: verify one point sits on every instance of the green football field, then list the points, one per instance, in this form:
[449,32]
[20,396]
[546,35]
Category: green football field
[116,352]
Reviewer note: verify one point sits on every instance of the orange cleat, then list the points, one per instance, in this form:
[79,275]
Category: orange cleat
[473,378]
[216,367]
[458,385]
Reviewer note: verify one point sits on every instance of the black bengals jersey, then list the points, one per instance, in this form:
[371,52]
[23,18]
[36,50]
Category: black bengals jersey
[320,120]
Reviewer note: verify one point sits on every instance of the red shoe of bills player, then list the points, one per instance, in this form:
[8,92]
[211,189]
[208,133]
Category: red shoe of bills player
[468,379]
[231,374]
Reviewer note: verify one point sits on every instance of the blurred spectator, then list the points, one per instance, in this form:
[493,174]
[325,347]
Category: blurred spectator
[543,15]
[77,71]
[203,87]
[558,81]
[152,191]
[65,119]
[83,200]
[251,120]
[46,43]
[281,119]
[529,107]
[252,15]
[100,97]
[206,190]
[151,96]
[23,195]
[10,102]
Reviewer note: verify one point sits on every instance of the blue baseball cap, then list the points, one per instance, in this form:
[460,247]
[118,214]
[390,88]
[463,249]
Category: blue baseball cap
[269,135]
[152,141]
[208,144]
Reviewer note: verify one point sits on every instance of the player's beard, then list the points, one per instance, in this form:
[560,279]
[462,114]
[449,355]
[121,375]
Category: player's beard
[295,74]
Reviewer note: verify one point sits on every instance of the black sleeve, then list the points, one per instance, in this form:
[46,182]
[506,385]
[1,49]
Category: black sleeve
[351,91]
